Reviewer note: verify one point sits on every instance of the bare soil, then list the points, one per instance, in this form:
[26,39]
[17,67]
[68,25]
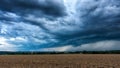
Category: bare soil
[61,61]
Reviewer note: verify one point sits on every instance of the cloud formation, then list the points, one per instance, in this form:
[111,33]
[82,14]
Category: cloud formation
[97,46]
[52,8]
[44,24]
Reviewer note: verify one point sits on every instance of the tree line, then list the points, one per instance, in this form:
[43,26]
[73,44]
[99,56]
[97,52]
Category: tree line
[54,52]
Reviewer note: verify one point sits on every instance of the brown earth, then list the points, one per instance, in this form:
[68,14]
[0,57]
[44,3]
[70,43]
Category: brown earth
[60,61]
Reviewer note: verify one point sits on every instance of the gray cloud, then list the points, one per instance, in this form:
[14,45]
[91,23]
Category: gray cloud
[38,7]
[46,24]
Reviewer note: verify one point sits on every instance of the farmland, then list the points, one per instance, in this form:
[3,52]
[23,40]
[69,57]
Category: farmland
[61,61]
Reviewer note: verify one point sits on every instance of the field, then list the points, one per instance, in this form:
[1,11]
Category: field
[60,61]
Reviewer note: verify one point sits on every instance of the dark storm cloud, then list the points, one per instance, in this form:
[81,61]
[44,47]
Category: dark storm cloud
[70,25]
[101,21]
[52,7]
[100,18]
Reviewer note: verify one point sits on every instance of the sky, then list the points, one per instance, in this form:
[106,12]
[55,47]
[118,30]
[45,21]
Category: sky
[59,25]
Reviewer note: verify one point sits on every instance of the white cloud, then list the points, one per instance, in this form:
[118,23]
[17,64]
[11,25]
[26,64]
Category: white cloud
[70,5]
[101,45]
[97,46]
[18,39]
[5,46]
[11,15]
[3,29]
[60,49]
